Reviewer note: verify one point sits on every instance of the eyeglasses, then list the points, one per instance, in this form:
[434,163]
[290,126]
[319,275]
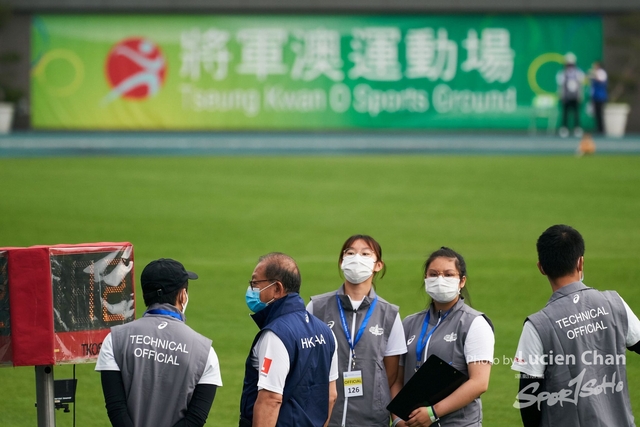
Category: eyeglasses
[447,273]
[366,253]
[252,283]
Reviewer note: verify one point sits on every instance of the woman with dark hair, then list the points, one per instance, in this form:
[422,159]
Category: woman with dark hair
[369,334]
[455,332]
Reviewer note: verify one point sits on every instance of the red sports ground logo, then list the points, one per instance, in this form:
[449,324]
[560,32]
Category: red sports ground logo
[135,69]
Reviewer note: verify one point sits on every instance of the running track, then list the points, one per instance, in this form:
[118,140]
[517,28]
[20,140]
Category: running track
[48,144]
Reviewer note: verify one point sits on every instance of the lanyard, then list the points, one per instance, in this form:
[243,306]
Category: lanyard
[426,336]
[345,327]
[164,313]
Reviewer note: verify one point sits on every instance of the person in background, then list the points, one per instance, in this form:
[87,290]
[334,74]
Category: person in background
[156,370]
[598,79]
[290,374]
[570,81]
[369,333]
[572,354]
[455,332]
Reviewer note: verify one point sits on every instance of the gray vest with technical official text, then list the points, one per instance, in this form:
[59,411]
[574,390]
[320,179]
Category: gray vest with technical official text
[161,360]
[583,333]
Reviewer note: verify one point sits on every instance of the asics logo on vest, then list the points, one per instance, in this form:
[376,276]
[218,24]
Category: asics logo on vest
[411,338]
[330,324]
[162,325]
[376,330]
[576,298]
[451,337]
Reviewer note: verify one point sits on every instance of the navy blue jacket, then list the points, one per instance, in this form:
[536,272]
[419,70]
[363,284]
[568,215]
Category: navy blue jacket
[310,344]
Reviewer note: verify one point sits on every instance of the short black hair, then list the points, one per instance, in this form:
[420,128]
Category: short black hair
[283,268]
[171,298]
[559,249]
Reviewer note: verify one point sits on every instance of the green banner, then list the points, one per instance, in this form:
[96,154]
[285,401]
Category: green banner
[302,72]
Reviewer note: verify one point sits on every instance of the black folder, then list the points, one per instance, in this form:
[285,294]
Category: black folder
[434,381]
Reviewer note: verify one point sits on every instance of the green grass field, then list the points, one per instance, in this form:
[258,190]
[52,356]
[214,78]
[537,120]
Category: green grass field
[218,214]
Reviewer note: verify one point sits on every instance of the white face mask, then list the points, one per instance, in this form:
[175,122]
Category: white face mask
[184,306]
[357,268]
[442,289]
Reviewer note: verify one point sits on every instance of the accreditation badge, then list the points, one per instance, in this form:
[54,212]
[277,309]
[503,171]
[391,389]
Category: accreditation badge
[352,383]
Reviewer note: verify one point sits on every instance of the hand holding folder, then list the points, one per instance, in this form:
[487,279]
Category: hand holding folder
[434,381]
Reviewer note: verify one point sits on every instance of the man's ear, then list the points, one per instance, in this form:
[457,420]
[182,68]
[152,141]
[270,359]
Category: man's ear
[182,298]
[281,290]
[540,268]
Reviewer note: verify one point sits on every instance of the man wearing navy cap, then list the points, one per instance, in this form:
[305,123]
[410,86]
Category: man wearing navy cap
[157,371]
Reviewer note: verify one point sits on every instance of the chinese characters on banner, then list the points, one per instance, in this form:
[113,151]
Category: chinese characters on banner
[375,54]
[302,72]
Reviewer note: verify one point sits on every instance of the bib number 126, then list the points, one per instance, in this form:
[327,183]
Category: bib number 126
[352,383]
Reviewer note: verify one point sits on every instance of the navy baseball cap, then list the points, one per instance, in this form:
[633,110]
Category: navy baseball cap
[164,276]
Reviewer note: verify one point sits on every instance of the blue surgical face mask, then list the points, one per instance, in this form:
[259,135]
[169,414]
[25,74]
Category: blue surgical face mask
[253,299]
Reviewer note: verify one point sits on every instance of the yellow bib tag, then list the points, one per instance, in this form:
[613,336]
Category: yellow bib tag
[352,383]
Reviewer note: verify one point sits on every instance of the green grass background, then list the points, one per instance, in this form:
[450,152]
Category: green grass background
[218,214]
